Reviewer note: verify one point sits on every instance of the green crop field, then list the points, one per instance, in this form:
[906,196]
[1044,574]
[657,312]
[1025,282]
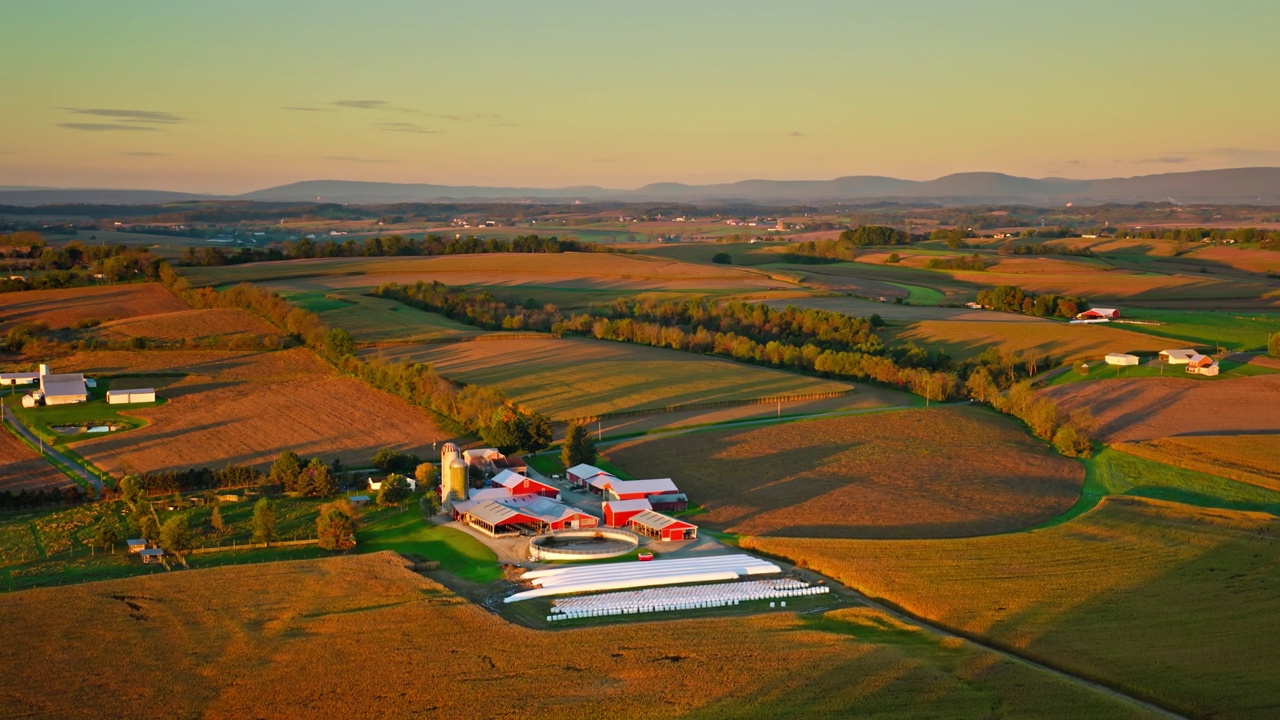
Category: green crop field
[371,319]
[1165,601]
[576,377]
[1234,330]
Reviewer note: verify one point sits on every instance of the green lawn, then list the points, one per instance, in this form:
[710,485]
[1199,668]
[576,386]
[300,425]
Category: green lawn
[374,320]
[549,464]
[1233,330]
[406,532]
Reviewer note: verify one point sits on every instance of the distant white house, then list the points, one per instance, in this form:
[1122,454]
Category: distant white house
[376,485]
[1122,359]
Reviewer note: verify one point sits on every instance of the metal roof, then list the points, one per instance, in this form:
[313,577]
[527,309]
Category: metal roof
[499,510]
[59,385]
[601,480]
[628,505]
[584,470]
[657,486]
[511,478]
[656,520]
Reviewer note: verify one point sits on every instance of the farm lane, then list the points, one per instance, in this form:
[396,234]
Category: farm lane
[68,462]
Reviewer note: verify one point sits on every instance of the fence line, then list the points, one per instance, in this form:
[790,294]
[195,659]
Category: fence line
[253,546]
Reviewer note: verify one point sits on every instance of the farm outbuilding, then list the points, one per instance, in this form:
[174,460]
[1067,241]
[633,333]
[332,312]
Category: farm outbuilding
[1122,359]
[1098,314]
[661,527]
[517,484]
[139,395]
[151,555]
[533,514]
[136,545]
[579,475]
[19,378]
[636,489]
[671,502]
[63,389]
[1181,356]
[618,512]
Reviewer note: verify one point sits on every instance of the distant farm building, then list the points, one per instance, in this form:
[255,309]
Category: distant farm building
[1202,365]
[19,378]
[123,397]
[580,475]
[670,502]
[376,485]
[62,388]
[661,527]
[1177,357]
[358,500]
[618,512]
[151,555]
[136,545]
[1098,314]
[1122,359]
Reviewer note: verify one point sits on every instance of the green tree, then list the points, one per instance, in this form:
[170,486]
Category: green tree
[317,480]
[394,490]
[264,521]
[105,536]
[578,447]
[285,470]
[131,491]
[175,535]
[535,433]
[722,258]
[426,474]
[338,343]
[1273,345]
[215,520]
[335,530]
[1070,441]
[148,524]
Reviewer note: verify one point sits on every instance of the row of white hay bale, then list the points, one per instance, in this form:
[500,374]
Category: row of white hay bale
[622,576]
[669,599]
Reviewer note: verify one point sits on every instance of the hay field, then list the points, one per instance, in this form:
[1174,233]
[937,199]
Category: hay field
[915,473]
[297,639]
[1237,330]
[586,269]
[902,314]
[21,468]
[580,377]
[1166,601]
[1257,261]
[246,408]
[188,325]
[1131,286]
[1059,340]
[63,308]
[1252,458]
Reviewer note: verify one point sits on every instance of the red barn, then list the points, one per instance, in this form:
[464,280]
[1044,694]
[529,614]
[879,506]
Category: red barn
[522,514]
[1098,314]
[517,484]
[636,489]
[580,474]
[660,527]
[618,512]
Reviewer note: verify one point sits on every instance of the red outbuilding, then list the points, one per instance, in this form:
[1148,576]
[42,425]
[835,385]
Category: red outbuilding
[661,527]
[618,512]
[517,484]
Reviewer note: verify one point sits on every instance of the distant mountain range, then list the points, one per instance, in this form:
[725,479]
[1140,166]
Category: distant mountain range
[1235,186]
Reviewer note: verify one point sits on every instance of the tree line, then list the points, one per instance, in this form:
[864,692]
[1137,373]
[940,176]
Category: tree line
[1010,298]
[77,265]
[388,246]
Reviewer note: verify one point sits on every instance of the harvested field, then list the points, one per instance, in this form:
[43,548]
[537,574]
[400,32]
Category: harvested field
[1258,261]
[21,468]
[1162,600]
[64,308]
[246,408]
[279,640]
[579,377]
[188,325]
[579,269]
[1252,458]
[915,473]
[1060,341]
[901,314]
[1148,410]
[1132,287]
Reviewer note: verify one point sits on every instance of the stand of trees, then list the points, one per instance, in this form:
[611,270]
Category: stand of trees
[961,262]
[1010,298]
[75,264]
[388,246]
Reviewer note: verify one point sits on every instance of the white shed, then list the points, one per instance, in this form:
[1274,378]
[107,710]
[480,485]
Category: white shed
[1122,359]
[138,395]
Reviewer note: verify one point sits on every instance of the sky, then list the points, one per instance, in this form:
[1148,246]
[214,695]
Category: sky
[234,95]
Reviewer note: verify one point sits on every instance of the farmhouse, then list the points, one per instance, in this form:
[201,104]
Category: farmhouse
[618,512]
[1122,359]
[517,484]
[139,395]
[661,527]
[1177,357]
[376,485]
[1098,314]
[1202,365]
[521,514]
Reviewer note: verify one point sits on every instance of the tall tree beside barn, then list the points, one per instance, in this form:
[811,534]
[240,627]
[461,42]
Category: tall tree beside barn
[579,447]
[316,479]
[175,535]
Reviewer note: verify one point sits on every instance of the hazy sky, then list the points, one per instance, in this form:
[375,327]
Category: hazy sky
[234,95]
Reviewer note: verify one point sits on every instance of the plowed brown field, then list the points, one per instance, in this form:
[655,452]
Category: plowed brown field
[188,325]
[283,640]
[63,308]
[915,473]
[247,408]
[21,468]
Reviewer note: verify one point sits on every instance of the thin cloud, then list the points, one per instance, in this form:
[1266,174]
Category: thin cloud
[133,116]
[795,133]
[360,104]
[144,153]
[348,158]
[408,128]
[1167,160]
[107,127]
[296,108]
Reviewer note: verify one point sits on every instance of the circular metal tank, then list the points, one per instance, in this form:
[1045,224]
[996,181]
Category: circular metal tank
[455,480]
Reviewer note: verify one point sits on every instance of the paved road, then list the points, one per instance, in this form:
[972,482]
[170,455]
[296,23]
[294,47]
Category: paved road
[22,429]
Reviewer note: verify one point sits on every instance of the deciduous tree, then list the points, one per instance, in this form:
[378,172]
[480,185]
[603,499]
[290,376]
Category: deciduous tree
[264,521]
[335,530]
